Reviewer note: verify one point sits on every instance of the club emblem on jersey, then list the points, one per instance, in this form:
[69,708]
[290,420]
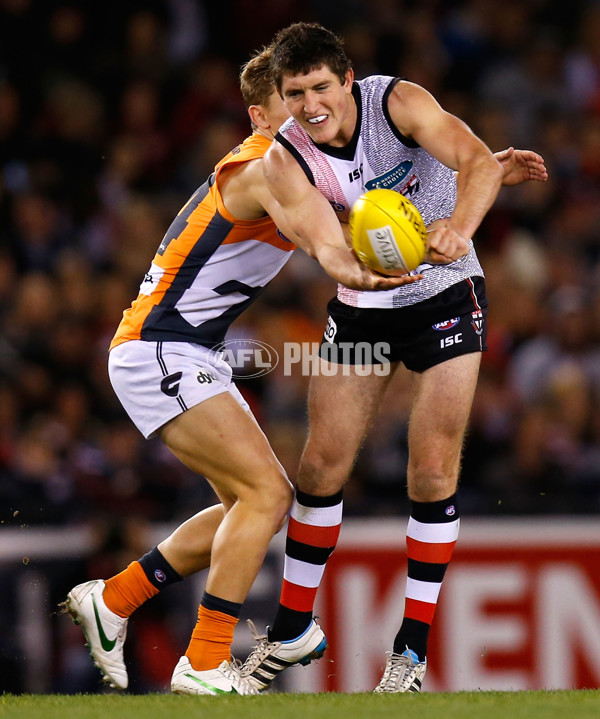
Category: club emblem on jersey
[410,187]
[446,325]
[477,321]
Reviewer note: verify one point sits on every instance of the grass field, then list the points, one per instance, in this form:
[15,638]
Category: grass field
[460,705]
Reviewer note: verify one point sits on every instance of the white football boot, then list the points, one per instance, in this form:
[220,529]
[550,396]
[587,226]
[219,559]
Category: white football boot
[104,630]
[268,659]
[225,679]
[403,673]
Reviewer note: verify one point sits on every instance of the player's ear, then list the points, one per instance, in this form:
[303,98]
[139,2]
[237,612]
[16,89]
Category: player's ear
[258,117]
[349,79]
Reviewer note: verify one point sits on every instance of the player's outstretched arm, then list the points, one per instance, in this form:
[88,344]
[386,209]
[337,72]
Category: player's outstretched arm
[521,166]
[417,114]
[304,215]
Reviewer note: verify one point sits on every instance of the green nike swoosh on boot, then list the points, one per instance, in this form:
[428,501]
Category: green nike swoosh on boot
[107,644]
[210,686]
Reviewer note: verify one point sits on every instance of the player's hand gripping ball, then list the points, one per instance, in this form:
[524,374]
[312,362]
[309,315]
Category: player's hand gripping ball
[388,233]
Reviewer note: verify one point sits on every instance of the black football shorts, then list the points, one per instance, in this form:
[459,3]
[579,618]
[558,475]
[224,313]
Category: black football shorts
[450,324]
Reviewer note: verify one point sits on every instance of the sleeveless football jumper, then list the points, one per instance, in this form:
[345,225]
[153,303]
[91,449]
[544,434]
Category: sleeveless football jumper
[379,156]
[209,268]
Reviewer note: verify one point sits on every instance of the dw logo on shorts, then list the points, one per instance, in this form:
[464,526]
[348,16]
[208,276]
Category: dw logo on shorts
[446,325]
[205,377]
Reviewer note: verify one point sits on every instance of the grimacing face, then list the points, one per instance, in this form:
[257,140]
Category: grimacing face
[322,104]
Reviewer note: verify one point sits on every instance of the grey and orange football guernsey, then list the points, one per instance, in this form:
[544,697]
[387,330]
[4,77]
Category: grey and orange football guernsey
[209,267]
[378,155]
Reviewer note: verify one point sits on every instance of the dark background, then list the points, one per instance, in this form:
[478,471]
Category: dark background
[112,113]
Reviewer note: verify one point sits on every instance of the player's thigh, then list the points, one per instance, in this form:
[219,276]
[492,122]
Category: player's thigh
[442,400]
[342,403]
[220,440]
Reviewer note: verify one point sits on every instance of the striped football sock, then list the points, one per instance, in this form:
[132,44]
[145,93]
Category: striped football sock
[430,538]
[312,534]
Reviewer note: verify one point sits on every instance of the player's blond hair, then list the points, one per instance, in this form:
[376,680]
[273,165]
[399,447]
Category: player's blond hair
[256,80]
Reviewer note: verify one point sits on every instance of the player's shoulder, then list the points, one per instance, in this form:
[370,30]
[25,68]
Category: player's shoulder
[281,152]
[407,89]
[248,173]
[408,97]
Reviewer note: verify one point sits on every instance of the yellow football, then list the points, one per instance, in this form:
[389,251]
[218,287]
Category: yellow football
[388,233]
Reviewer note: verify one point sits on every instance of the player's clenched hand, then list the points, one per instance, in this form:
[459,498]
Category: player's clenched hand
[444,243]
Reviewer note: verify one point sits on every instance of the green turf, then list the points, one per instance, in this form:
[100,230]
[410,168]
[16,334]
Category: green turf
[460,705]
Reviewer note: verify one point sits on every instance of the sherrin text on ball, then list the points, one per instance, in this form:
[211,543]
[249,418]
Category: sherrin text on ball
[388,233]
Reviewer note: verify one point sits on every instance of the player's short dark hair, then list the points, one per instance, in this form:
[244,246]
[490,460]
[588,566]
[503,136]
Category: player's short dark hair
[306,46]
[256,79]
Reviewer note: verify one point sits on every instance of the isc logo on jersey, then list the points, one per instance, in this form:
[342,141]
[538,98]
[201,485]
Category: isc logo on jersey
[388,233]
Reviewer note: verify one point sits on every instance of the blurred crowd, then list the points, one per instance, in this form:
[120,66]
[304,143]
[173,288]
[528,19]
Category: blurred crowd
[112,113]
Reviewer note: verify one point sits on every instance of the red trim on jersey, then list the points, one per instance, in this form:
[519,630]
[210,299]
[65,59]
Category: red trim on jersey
[421,611]
[301,599]
[438,553]
[324,537]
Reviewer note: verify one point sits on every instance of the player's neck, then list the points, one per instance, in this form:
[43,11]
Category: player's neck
[268,133]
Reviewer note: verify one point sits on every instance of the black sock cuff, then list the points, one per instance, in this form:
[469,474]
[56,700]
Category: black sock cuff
[159,572]
[216,604]
[446,510]
[414,635]
[311,500]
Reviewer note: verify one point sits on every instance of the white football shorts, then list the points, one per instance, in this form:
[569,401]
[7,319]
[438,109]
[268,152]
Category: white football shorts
[156,381]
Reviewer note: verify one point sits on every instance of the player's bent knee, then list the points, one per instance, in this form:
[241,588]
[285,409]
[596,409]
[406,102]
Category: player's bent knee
[323,472]
[272,494]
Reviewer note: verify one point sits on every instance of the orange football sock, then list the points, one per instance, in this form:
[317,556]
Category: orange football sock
[211,639]
[127,591]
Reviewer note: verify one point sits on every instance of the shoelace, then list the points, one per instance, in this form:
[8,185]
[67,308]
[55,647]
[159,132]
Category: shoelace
[260,652]
[391,675]
[234,673]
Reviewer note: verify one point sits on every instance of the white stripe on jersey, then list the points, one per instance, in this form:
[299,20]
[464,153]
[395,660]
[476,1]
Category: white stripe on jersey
[252,262]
